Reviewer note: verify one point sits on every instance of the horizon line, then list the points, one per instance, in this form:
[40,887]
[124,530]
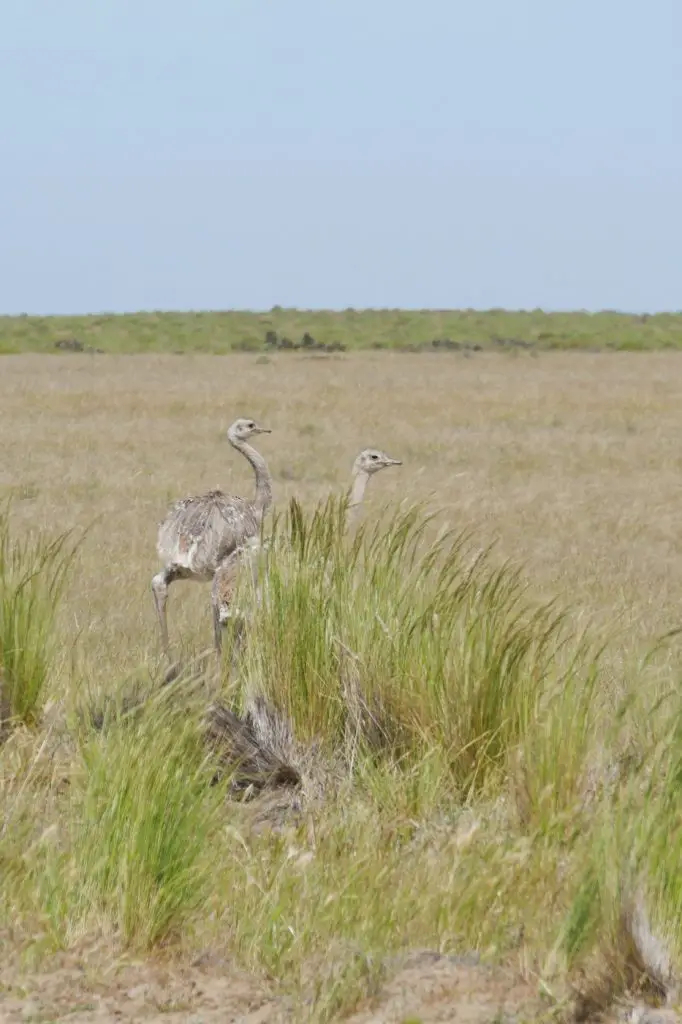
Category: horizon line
[336,310]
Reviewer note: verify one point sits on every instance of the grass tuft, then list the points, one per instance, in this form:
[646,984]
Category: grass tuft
[33,574]
[133,861]
[406,650]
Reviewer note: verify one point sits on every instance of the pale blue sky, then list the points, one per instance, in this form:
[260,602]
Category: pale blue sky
[157,154]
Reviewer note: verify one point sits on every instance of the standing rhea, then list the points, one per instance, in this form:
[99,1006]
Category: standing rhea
[200,533]
[225,579]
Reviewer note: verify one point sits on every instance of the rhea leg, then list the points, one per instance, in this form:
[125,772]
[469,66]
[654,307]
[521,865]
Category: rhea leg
[217,622]
[223,591]
[221,618]
[160,584]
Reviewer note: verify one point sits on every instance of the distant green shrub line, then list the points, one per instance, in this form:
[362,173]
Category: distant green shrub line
[346,330]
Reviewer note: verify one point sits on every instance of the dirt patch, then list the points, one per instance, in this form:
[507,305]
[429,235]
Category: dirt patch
[203,994]
[426,987]
[431,988]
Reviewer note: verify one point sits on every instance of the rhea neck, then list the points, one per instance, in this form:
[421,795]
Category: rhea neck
[360,478]
[263,498]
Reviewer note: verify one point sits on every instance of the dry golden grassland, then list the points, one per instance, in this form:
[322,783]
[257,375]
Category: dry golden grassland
[571,463]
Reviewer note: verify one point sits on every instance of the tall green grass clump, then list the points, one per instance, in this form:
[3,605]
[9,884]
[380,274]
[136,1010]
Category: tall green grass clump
[33,573]
[404,647]
[134,859]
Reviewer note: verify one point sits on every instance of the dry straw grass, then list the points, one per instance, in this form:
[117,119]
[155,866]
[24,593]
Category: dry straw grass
[492,781]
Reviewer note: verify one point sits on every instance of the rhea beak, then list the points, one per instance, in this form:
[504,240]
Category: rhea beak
[393,462]
[262,430]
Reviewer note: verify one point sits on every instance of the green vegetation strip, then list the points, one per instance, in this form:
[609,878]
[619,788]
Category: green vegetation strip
[312,330]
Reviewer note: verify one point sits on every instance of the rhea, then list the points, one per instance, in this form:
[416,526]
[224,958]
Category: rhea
[225,578]
[200,532]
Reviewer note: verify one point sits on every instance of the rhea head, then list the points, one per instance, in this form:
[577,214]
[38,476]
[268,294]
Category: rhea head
[371,460]
[242,429]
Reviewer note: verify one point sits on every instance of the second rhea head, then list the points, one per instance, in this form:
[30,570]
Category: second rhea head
[371,460]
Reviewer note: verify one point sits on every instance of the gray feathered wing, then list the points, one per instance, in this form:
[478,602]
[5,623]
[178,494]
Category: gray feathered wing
[200,531]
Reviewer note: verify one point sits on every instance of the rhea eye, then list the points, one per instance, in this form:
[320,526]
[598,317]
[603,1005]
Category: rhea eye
[375,457]
[251,425]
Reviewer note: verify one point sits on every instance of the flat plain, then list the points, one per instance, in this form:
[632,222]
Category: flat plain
[571,463]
